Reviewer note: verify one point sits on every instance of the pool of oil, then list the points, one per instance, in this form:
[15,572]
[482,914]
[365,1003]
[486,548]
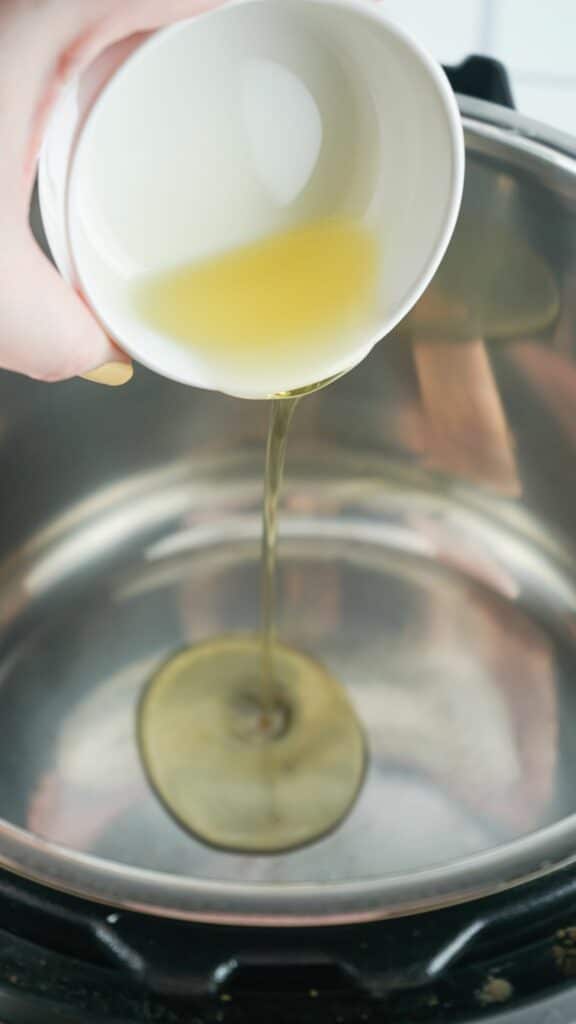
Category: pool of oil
[448,617]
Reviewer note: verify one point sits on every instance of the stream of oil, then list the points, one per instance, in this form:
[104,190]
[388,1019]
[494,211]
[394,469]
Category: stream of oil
[250,744]
[282,411]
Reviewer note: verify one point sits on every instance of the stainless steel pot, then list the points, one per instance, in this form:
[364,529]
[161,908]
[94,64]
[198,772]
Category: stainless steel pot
[429,558]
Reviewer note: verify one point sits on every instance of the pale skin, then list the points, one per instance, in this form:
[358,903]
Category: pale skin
[46,330]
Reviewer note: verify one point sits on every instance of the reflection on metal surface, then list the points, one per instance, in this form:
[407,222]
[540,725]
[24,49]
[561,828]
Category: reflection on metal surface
[552,378]
[463,419]
[493,284]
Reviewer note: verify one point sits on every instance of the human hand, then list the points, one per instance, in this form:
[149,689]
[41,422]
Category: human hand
[46,330]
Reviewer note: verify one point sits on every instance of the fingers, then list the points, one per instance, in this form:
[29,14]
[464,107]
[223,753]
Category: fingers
[148,15]
[46,331]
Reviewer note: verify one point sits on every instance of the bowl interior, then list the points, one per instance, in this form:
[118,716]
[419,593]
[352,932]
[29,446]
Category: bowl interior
[246,122]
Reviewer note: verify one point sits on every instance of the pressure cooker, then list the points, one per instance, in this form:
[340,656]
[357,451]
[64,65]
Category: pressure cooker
[428,554]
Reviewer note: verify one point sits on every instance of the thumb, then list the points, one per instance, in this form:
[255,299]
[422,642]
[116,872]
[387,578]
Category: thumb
[46,331]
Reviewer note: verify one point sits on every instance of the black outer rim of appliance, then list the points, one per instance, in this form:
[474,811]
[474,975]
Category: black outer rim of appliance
[64,959]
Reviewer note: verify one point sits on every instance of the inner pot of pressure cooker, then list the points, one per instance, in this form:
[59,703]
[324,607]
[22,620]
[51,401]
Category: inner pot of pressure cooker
[426,560]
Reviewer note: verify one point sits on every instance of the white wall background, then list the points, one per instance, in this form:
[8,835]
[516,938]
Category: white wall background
[535,39]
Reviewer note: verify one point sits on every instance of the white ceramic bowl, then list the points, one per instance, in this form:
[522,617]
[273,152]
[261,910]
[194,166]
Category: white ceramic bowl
[238,123]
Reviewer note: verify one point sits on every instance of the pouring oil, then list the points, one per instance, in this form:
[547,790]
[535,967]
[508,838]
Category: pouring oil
[281,415]
[252,745]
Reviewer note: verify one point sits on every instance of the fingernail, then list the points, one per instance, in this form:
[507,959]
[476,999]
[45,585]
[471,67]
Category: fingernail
[111,374]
